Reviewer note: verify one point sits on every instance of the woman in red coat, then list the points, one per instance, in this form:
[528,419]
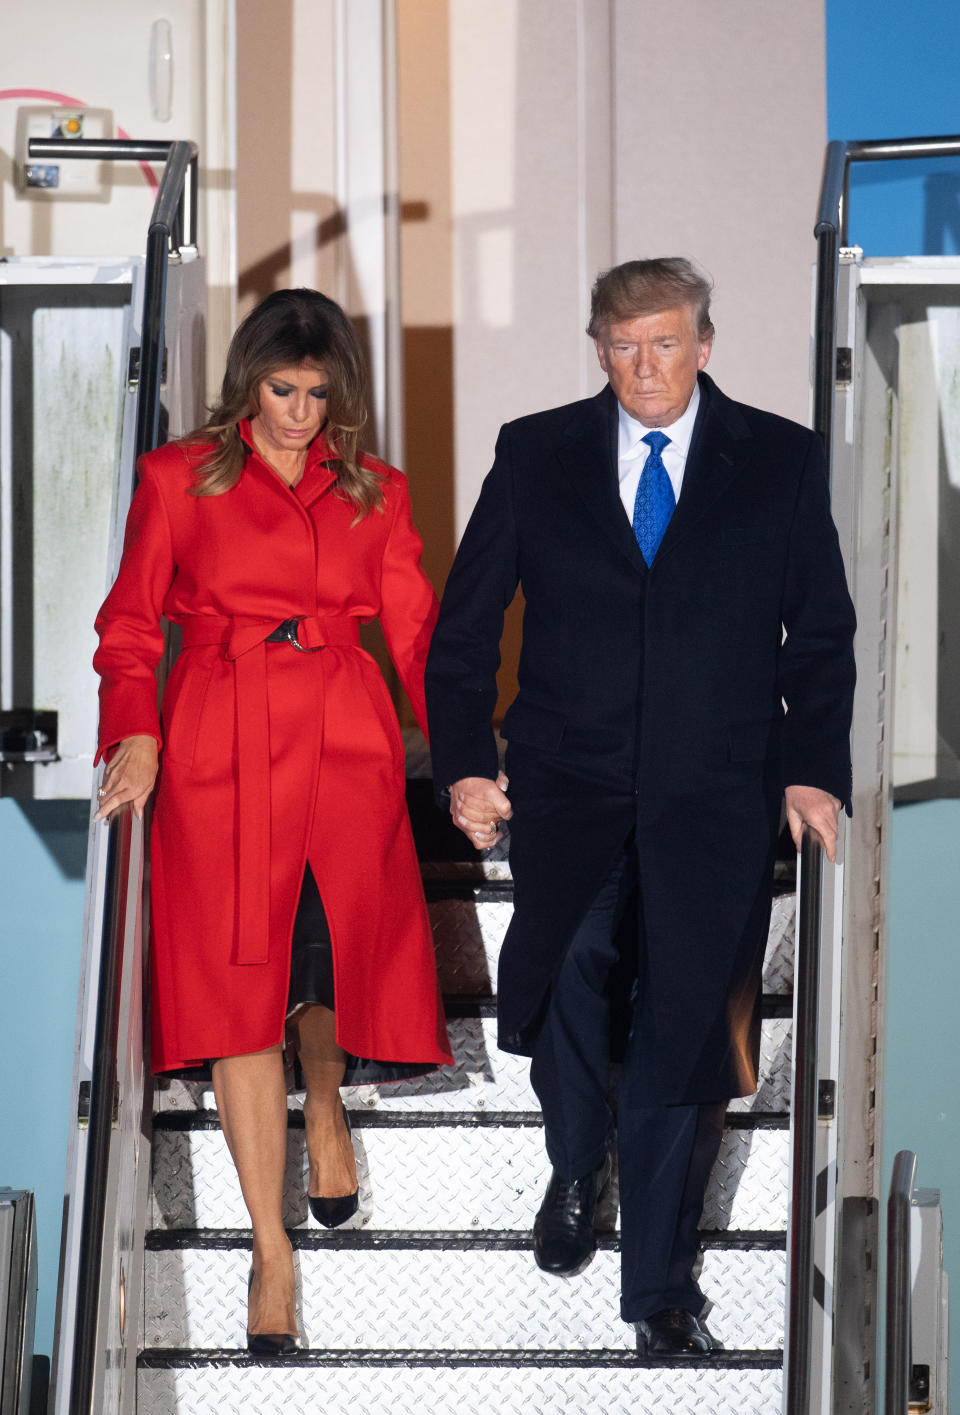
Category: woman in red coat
[285,892]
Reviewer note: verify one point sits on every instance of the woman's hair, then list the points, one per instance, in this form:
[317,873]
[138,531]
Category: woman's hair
[288,329]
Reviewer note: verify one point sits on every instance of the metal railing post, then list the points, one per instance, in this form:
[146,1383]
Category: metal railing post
[804,1110]
[899,1281]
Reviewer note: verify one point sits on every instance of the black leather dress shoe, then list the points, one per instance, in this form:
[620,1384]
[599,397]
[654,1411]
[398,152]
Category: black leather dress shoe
[563,1238]
[674,1332]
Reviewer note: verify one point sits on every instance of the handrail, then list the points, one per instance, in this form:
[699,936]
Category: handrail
[173,225]
[832,232]
[898,1320]
[103,1084]
[804,1110]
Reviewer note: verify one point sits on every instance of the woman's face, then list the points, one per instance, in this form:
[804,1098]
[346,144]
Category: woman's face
[293,408]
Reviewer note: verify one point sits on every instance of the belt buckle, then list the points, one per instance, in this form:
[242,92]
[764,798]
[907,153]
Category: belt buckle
[292,632]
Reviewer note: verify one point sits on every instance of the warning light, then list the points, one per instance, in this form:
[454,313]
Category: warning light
[68,125]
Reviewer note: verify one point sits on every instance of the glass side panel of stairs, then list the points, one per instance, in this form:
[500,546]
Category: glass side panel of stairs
[429,1298]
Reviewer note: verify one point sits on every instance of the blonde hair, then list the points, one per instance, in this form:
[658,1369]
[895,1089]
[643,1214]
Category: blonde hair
[292,328]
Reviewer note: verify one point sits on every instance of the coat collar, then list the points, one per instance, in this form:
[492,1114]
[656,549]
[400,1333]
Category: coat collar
[318,472]
[589,459]
[719,445]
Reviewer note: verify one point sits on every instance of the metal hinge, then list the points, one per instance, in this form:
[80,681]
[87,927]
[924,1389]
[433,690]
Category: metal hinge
[920,1388]
[844,364]
[826,1100]
[133,369]
[83,1105]
[28,735]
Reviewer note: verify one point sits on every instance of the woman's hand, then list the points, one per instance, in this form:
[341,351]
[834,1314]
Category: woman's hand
[129,777]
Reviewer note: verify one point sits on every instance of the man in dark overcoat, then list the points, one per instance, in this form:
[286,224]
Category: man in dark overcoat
[686,664]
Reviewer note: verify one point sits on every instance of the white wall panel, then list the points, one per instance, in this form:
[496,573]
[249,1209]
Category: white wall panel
[530,155]
[100,57]
[720,129]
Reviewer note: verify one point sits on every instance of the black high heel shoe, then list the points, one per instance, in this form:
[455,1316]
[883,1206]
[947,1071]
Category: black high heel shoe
[264,1343]
[333,1212]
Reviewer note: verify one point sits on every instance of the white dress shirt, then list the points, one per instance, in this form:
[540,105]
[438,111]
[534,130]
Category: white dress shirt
[633,452]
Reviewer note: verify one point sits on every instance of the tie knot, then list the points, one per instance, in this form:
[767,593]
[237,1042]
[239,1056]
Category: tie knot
[656,441]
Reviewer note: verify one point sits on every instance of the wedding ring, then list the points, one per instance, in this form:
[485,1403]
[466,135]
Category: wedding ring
[102,791]
[494,825]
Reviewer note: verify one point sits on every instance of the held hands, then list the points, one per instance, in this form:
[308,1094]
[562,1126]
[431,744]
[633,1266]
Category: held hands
[128,779]
[477,806]
[808,805]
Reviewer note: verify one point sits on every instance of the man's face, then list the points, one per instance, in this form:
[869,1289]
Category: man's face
[652,363]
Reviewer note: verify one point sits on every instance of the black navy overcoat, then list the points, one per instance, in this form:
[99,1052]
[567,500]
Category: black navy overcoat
[670,705]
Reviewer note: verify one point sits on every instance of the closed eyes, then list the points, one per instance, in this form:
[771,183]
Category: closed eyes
[319,393]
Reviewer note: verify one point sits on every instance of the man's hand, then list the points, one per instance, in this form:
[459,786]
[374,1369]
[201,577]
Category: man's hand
[808,805]
[477,806]
[129,778]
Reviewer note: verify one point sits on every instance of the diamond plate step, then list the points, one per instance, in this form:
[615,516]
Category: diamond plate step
[468,934]
[449,1177]
[491,1390]
[438,1299]
[484,1078]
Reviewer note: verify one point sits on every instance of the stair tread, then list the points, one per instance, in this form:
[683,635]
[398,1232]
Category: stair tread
[375,1119]
[470,922]
[471,1383]
[176,1239]
[484,1080]
[403,1175]
[460,1299]
[754,1358]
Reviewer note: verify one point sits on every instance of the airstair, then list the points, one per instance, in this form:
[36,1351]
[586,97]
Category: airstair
[429,1299]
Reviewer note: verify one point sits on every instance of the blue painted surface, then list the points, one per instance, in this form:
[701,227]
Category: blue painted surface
[43,851]
[922,1062]
[892,73]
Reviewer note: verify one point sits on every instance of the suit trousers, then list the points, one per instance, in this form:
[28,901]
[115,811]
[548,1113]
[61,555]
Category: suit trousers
[665,1152]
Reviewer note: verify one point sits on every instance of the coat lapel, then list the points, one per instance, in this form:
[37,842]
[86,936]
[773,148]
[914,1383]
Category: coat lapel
[718,450]
[589,460]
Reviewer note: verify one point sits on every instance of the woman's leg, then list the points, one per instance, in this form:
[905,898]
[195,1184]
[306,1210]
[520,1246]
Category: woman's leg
[252,1102]
[333,1168]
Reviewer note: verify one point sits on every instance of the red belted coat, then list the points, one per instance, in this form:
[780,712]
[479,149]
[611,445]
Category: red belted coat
[272,757]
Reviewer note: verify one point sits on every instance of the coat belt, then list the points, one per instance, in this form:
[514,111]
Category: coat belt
[244,639]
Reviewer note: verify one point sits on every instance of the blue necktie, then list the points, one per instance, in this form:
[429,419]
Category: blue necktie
[655,502]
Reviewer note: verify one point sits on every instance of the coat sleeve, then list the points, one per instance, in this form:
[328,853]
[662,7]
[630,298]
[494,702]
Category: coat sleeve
[128,624]
[465,653]
[408,605]
[816,663]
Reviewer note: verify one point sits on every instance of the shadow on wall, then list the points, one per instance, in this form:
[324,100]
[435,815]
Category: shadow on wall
[61,828]
[429,404]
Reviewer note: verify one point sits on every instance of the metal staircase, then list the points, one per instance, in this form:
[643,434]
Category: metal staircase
[429,1299]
